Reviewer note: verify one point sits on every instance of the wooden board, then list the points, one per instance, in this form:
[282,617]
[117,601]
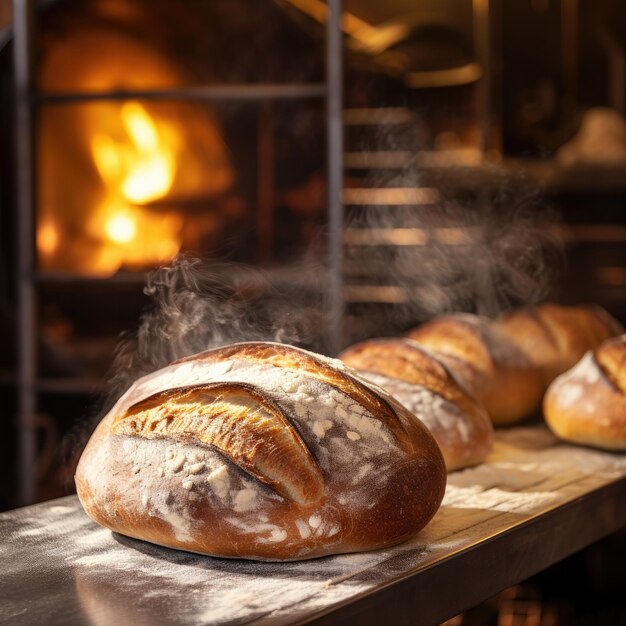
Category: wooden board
[532,504]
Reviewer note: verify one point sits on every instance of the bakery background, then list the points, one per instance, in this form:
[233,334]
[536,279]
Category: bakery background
[465,124]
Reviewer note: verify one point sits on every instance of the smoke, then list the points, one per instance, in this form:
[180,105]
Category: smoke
[196,305]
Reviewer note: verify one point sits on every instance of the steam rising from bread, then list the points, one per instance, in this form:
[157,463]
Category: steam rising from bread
[198,305]
[481,258]
[485,254]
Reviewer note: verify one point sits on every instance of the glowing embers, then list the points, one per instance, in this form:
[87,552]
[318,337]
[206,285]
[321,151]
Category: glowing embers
[47,238]
[121,228]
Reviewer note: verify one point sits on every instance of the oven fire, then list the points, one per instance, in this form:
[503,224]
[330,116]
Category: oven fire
[137,168]
[135,158]
[118,199]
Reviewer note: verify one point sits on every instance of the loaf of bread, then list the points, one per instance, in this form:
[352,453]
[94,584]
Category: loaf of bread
[426,387]
[587,404]
[261,451]
[486,362]
[555,337]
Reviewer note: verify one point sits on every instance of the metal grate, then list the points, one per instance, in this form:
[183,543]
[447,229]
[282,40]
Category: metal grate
[27,99]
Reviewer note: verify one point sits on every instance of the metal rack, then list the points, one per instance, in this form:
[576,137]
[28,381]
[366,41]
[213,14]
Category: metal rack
[367,280]
[27,99]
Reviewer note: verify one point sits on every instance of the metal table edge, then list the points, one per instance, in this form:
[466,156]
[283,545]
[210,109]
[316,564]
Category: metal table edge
[431,594]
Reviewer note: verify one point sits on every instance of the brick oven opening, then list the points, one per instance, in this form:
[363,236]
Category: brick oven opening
[116,199]
[127,184]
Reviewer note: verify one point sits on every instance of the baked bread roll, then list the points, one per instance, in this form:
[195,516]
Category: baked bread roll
[587,404]
[486,362]
[556,337]
[426,387]
[261,451]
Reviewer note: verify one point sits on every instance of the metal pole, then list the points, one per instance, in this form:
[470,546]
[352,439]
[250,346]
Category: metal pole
[334,129]
[266,205]
[207,93]
[569,55]
[482,45]
[25,204]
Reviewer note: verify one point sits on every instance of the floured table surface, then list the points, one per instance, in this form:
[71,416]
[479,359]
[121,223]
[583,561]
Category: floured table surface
[534,502]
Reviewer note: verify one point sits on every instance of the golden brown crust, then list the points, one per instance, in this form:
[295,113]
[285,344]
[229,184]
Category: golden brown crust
[599,323]
[459,336]
[611,358]
[587,404]
[456,419]
[527,329]
[223,454]
[315,365]
[489,365]
[239,421]
[555,337]
[406,360]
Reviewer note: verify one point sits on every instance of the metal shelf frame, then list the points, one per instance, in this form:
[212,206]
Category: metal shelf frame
[27,99]
[208,93]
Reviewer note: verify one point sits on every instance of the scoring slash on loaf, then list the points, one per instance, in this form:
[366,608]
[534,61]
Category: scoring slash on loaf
[555,337]
[486,362]
[424,385]
[587,404]
[261,451]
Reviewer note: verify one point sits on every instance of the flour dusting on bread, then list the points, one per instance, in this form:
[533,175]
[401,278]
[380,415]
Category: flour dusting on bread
[260,451]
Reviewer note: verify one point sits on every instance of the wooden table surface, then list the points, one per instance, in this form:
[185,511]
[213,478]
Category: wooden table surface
[533,503]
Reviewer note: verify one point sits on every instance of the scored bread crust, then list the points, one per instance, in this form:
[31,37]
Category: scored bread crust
[261,451]
[426,387]
[587,404]
[486,362]
[555,337]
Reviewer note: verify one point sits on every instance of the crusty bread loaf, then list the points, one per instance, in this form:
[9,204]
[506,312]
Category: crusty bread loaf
[426,387]
[587,404]
[489,365]
[555,337]
[261,451]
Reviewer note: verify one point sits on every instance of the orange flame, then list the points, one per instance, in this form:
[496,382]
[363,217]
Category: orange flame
[137,168]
